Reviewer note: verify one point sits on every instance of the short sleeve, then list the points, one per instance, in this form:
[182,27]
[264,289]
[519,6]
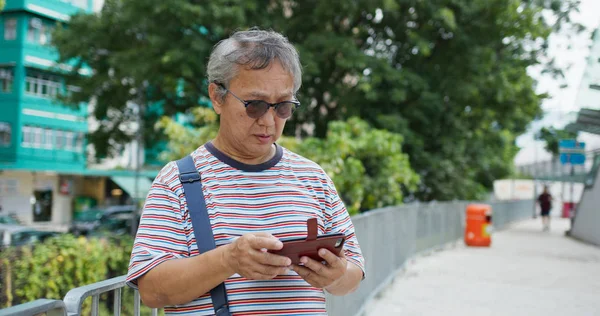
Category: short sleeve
[340,222]
[161,235]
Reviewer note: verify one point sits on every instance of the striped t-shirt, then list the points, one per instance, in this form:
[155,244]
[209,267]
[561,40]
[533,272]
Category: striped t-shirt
[276,197]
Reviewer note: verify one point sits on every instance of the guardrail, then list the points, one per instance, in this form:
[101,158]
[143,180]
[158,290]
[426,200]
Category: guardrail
[554,170]
[37,307]
[75,297]
[388,238]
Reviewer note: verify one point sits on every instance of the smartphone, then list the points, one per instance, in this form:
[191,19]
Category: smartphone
[296,248]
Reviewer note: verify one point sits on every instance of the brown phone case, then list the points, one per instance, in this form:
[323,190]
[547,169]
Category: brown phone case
[299,247]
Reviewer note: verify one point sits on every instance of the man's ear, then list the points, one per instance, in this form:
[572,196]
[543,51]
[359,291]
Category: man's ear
[215,97]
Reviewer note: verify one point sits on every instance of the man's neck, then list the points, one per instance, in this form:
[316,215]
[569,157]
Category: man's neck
[227,149]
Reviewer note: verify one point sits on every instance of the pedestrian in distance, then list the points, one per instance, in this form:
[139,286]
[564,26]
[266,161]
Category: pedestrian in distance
[545,201]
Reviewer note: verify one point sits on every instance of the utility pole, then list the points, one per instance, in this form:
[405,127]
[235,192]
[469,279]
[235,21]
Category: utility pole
[535,175]
[139,148]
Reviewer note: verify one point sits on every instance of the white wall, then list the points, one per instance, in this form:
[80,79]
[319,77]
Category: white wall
[587,220]
[517,189]
[16,193]
[590,98]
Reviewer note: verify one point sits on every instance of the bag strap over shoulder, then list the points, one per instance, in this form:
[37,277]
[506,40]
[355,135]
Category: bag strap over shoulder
[192,189]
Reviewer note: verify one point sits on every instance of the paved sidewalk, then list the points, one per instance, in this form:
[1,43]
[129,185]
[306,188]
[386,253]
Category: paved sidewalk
[525,272]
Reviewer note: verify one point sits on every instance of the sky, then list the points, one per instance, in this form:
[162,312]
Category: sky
[561,109]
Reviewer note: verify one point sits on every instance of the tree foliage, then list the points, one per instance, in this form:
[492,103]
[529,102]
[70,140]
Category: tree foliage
[552,137]
[450,75]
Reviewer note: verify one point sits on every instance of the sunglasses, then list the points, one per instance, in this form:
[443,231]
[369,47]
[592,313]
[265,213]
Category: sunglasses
[257,108]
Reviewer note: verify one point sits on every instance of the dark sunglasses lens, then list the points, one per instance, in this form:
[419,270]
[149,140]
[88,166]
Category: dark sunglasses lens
[256,109]
[285,110]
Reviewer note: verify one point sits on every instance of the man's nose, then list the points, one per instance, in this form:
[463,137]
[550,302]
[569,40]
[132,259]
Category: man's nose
[268,119]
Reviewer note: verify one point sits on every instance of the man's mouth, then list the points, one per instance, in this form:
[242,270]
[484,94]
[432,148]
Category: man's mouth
[263,137]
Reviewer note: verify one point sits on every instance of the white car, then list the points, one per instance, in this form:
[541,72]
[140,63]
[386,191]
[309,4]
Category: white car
[19,235]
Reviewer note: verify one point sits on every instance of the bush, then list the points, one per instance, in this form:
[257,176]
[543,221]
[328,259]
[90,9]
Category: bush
[366,164]
[51,269]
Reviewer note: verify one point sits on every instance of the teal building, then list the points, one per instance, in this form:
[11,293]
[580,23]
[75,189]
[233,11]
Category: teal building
[43,170]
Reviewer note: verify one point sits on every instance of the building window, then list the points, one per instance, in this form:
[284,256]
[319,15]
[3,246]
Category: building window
[32,137]
[45,35]
[10,29]
[42,85]
[69,140]
[37,136]
[79,142]
[48,139]
[38,32]
[6,80]
[34,29]
[27,137]
[5,134]
[45,138]
[60,139]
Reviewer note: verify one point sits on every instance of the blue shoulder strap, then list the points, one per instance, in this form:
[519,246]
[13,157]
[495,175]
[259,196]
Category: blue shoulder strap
[192,189]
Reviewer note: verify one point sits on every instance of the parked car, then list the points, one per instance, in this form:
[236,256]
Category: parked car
[91,220]
[19,235]
[115,225]
[6,219]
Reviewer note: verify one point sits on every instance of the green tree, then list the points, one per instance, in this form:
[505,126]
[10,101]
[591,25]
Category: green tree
[450,76]
[148,53]
[367,165]
[462,94]
[552,136]
[2,3]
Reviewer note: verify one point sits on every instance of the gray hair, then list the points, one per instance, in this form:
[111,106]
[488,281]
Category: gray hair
[256,49]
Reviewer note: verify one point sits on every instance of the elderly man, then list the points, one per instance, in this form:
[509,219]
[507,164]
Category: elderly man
[256,193]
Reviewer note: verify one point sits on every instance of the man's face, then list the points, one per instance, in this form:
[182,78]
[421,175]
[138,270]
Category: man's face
[250,137]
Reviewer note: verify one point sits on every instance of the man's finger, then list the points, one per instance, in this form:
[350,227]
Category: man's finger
[267,242]
[267,258]
[314,265]
[264,272]
[332,260]
[304,272]
[272,270]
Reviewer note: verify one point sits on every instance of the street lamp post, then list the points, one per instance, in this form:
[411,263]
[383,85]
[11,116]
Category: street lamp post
[139,139]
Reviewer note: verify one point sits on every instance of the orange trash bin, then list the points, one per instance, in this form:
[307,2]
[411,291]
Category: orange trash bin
[479,225]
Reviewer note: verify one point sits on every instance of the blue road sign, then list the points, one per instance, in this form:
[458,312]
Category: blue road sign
[571,152]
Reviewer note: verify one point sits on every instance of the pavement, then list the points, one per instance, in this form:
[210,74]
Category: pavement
[524,272]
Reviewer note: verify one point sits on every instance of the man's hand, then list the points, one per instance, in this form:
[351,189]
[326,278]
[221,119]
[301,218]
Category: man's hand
[322,275]
[248,257]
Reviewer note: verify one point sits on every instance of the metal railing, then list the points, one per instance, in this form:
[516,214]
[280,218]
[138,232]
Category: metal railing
[554,170]
[75,297]
[388,238]
[37,307]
